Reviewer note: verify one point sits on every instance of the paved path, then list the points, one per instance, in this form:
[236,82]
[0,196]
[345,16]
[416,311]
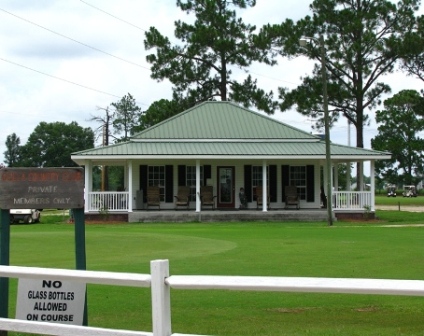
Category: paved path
[409,208]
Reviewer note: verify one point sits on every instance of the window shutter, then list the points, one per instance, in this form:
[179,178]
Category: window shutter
[285,180]
[169,184]
[207,173]
[181,175]
[143,181]
[310,184]
[273,183]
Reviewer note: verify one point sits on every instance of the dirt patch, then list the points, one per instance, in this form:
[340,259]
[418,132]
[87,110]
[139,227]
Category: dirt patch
[364,221]
[100,222]
[409,208]
[367,309]
[295,310]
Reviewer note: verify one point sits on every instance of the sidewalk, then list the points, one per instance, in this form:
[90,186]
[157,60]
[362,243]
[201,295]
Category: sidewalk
[410,208]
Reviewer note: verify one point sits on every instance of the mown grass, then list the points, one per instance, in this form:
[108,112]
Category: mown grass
[348,249]
[399,200]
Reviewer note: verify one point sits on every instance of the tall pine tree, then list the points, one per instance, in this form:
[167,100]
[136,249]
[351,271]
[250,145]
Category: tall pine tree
[363,41]
[201,66]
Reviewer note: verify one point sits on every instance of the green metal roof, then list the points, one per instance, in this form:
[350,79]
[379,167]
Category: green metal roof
[221,120]
[221,149]
[224,130]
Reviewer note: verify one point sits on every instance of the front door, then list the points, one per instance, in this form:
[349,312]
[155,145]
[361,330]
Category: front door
[226,188]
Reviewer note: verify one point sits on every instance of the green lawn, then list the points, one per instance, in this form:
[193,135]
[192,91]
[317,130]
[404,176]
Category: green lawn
[403,201]
[363,250]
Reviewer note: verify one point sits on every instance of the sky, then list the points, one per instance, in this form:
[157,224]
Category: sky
[66,60]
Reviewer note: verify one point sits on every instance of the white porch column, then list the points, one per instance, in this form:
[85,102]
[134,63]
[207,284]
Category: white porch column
[198,204]
[372,187]
[130,185]
[264,185]
[88,182]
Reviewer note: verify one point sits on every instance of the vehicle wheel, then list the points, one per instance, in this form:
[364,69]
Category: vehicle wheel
[28,220]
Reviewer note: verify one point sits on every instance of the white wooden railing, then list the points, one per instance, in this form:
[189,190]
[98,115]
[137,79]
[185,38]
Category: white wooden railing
[352,200]
[119,200]
[161,282]
[108,201]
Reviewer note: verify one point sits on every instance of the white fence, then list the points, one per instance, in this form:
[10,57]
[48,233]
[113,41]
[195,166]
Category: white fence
[161,282]
[351,200]
[108,201]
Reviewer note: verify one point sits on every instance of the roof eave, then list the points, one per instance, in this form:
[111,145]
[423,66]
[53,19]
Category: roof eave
[80,159]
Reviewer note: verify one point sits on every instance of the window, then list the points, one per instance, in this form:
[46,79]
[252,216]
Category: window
[257,178]
[156,177]
[298,179]
[191,180]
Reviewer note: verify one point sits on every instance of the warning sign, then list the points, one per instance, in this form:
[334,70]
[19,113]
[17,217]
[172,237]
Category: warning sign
[50,301]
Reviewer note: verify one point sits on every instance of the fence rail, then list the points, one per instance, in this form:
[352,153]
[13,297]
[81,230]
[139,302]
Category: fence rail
[108,201]
[161,282]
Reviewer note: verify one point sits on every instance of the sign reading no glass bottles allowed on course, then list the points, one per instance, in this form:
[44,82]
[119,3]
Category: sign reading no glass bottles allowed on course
[50,301]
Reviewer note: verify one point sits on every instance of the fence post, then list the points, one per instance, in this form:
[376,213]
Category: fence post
[4,260]
[80,254]
[161,298]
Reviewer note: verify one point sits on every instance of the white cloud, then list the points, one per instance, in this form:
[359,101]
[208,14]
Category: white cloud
[29,97]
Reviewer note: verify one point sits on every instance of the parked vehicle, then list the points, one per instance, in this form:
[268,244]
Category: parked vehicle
[28,216]
[409,191]
[391,191]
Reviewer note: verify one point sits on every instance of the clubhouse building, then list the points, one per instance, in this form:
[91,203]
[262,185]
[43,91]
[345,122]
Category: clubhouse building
[225,147]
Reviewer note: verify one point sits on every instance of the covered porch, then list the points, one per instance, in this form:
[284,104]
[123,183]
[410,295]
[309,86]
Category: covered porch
[230,149]
[344,203]
[113,205]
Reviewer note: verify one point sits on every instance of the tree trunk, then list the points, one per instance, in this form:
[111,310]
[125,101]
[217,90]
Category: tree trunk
[360,144]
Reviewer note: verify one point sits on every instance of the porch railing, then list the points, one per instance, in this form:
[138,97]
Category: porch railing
[352,200]
[108,201]
[119,200]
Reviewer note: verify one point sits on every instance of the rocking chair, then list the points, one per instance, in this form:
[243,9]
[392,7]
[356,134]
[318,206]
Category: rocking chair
[260,197]
[206,196]
[183,197]
[153,196]
[292,197]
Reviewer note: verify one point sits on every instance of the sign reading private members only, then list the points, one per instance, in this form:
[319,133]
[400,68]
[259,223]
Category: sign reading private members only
[50,301]
[46,188]
[41,188]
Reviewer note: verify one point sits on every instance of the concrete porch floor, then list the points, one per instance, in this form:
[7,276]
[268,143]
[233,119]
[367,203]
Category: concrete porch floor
[225,215]
[149,216]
